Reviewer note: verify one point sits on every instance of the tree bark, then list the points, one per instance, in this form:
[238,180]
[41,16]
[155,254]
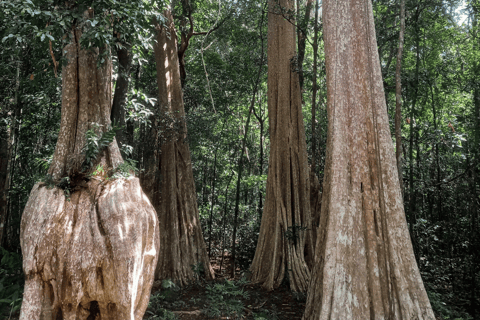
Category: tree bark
[364,263]
[93,254]
[169,181]
[286,219]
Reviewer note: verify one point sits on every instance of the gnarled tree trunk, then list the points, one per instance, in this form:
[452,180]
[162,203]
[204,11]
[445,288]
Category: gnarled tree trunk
[286,219]
[91,255]
[168,178]
[364,263]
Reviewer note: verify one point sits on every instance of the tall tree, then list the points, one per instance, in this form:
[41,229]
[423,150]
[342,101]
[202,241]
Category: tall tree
[286,219]
[81,232]
[398,96]
[169,180]
[364,263]
[120,96]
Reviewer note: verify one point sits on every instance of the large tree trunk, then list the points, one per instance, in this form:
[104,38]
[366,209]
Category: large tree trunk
[169,180]
[286,219]
[91,255]
[364,263]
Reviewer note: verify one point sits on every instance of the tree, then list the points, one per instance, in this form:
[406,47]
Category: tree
[365,267]
[398,97]
[286,219]
[169,179]
[119,98]
[89,235]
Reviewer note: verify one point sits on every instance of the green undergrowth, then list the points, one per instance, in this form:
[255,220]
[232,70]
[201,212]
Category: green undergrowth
[11,283]
[444,311]
[225,299]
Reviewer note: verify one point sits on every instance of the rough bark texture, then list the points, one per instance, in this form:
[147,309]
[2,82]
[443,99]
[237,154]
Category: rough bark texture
[168,178]
[364,263]
[286,219]
[91,256]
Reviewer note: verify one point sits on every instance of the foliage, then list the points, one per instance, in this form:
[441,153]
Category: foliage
[156,306]
[125,169]
[443,310]
[11,282]
[156,311]
[224,300]
[95,143]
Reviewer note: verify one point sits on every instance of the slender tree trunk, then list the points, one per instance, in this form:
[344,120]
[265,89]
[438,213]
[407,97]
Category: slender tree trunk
[121,90]
[436,157]
[411,216]
[225,208]
[261,121]
[364,263]
[93,254]
[314,88]
[302,32]
[212,204]
[474,233]
[315,187]
[171,187]
[398,97]
[237,197]
[6,149]
[286,220]
[240,163]
[5,156]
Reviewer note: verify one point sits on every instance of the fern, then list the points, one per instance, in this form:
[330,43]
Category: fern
[96,144]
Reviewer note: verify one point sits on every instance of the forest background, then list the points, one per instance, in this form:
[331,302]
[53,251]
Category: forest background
[440,78]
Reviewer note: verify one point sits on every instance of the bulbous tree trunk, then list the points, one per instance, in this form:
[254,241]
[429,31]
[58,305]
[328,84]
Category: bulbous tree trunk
[364,263]
[91,255]
[286,220]
[168,177]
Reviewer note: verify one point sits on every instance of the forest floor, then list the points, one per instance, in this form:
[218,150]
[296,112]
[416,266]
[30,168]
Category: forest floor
[224,298]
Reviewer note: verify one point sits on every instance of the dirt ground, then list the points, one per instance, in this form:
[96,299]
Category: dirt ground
[196,301]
